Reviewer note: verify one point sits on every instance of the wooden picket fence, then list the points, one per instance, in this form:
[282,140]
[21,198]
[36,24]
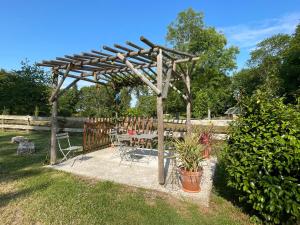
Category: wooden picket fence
[96,133]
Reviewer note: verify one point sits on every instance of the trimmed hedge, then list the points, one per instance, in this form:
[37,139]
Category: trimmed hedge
[263,159]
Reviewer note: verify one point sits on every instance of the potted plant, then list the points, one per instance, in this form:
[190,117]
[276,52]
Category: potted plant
[189,152]
[205,139]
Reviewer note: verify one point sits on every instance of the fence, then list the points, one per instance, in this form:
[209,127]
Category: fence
[76,124]
[96,133]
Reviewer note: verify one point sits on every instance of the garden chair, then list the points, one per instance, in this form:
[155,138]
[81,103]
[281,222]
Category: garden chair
[113,137]
[64,137]
[125,150]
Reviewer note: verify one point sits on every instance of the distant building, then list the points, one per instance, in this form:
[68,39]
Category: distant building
[233,112]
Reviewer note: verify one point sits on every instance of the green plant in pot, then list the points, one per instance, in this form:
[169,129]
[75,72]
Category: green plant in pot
[189,153]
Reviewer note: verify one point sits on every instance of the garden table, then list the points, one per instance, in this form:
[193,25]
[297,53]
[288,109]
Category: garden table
[136,138]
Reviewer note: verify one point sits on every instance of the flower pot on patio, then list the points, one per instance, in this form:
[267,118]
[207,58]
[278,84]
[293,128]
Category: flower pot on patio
[189,155]
[190,180]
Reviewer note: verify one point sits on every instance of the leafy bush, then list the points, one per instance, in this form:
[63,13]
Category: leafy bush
[263,159]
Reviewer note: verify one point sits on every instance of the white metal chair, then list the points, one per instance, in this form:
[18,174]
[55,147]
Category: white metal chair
[125,151]
[113,137]
[69,149]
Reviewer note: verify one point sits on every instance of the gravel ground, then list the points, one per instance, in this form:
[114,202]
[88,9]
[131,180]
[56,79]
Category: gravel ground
[105,165]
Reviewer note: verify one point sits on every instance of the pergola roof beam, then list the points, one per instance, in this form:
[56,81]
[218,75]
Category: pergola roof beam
[134,45]
[137,72]
[84,79]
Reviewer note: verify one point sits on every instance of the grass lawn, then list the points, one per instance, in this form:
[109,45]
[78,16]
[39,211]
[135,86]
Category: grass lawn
[32,194]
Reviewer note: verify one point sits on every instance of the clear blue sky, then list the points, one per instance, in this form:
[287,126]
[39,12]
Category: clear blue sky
[43,29]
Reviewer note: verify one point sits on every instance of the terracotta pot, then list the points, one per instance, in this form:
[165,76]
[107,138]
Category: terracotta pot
[190,180]
[206,152]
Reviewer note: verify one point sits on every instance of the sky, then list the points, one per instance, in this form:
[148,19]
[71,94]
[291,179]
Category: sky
[39,30]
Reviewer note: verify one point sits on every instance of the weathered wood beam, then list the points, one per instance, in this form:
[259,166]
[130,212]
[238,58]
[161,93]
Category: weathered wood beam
[174,51]
[116,63]
[108,58]
[186,60]
[149,75]
[188,104]
[123,53]
[134,45]
[54,120]
[85,79]
[142,58]
[160,120]
[126,69]
[54,94]
[147,42]
[167,82]
[138,73]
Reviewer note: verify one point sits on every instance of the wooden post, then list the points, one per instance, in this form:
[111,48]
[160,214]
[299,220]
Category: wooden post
[54,119]
[188,104]
[2,123]
[28,124]
[160,120]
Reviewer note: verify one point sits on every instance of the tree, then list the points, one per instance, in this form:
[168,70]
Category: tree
[123,99]
[146,105]
[290,70]
[96,101]
[264,68]
[189,33]
[68,102]
[24,91]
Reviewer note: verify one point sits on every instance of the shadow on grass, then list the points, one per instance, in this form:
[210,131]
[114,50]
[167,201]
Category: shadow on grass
[226,192]
[220,184]
[8,177]
[11,196]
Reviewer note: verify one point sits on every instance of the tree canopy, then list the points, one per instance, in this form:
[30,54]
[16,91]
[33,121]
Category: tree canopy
[24,91]
[210,77]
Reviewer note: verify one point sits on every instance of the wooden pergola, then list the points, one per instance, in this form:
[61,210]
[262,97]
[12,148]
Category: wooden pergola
[155,66]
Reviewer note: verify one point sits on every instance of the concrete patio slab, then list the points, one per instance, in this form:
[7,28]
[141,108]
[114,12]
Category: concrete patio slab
[105,165]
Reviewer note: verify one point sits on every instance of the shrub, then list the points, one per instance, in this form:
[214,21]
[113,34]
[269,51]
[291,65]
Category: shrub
[263,159]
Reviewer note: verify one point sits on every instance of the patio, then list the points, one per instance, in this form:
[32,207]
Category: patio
[105,165]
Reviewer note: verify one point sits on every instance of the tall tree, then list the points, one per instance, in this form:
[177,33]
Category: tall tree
[189,33]
[269,68]
[290,70]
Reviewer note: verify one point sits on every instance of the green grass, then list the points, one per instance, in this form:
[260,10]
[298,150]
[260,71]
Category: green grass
[33,194]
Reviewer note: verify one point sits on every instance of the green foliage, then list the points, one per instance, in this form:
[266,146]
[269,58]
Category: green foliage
[189,152]
[263,158]
[174,103]
[95,102]
[123,99]
[217,97]
[290,70]
[23,90]
[274,67]
[68,102]
[189,33]
[147,105]
[132,112]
